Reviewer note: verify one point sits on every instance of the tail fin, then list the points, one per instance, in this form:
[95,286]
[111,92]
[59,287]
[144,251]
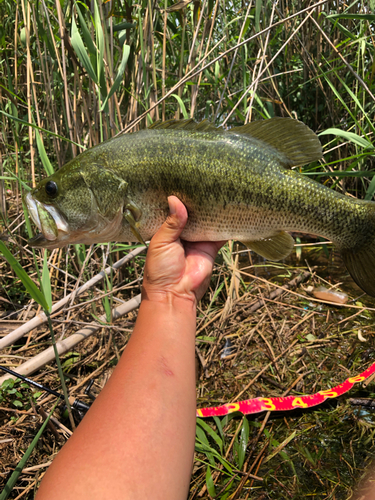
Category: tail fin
[357,246]
[360,263]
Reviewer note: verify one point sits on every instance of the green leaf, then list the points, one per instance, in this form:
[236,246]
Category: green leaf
[27,220]
[219,425]
[8,383]
[46,282]
[13,94]
[210,482]
[182,105]
[343,173]
[81,253]
[244,439]
[106,302]
[370,190]
[16,119]
[348,136]
[120,73]
[100,44]
[17,403]
[21,465]
[28,283]
[359,106]
[360,17]
[201,436]
[209,451]
[279,447]
[80,50]
[258,7]
[211,433]
[122,26]
[85,30]
[43,155]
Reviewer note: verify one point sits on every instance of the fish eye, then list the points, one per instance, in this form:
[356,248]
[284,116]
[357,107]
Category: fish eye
[51,188]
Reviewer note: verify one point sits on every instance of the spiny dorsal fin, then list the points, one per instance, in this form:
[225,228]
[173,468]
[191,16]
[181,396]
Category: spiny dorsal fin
[298,144]
[291,137]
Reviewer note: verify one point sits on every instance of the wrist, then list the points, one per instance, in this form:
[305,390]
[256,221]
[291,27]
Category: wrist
[171,298]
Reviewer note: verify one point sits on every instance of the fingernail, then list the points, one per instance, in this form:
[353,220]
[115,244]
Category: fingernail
[172,207]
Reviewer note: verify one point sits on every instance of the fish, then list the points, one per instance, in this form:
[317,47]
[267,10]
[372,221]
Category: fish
[236,184]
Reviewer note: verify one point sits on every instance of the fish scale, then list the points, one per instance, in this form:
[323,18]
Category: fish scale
[235,184]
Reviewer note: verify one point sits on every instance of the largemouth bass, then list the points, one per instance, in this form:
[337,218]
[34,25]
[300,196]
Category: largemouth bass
[236,184]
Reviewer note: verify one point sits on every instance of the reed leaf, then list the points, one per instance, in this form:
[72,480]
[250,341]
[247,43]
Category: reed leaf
[27,282]
[120,74]
[348,136]
[21,464]
[80,50]
[43,155]
[185,114]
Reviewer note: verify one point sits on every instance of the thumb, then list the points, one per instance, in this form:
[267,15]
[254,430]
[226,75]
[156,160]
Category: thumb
[172,228]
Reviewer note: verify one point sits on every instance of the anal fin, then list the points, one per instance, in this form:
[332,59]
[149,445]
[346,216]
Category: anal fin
[274,248]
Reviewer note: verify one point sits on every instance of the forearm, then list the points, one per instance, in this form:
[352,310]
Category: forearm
[366,488]
[153,385]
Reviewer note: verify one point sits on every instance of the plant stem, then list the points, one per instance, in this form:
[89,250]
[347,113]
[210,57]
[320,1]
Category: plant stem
[59,369]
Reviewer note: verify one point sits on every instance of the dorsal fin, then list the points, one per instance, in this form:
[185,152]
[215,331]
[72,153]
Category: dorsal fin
[291,137]
[298,144]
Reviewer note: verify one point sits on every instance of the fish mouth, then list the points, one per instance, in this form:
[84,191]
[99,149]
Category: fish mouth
[48,220]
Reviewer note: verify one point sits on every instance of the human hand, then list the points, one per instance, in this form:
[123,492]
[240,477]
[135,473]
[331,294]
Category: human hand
[177,268]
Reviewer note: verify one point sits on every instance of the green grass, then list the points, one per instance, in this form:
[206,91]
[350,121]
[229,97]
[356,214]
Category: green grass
[72,78]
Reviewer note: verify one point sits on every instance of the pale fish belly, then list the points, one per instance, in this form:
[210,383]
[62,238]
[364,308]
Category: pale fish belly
[246,224]
[239,222]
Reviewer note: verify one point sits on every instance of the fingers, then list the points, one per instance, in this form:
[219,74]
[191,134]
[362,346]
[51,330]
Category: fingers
[172,228]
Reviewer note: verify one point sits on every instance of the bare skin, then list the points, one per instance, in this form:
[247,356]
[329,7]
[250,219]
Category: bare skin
[137,440]
[366,489]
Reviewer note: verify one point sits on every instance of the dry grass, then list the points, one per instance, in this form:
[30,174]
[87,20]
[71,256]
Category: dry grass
[230,62]
[248,345]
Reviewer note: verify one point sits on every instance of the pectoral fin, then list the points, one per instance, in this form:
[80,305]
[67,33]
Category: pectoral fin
[275,248]
[131,215]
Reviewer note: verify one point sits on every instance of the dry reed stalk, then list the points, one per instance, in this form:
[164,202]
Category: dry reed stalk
[3,206]
[255,82]
[42,318]
[51,114]
[63,346]
[192,73]
[152,50]
[233,60]
[183,27]
[26,20]
[209,37]
[163,59]
[74,292]
[264,52]
[350,68]
[312,299]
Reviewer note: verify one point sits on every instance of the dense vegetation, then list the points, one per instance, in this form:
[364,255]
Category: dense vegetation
[73,74]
